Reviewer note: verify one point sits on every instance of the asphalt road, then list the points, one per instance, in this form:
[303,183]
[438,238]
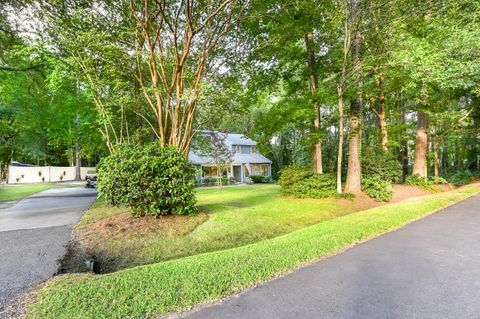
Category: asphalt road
[428,269]
[33,235]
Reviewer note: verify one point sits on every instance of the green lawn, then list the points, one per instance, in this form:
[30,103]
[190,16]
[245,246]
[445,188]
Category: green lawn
[229,217]
[152,290]
[15,192]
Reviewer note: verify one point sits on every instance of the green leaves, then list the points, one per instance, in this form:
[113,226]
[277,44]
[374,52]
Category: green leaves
[301,182]
[377,188]
[148,179]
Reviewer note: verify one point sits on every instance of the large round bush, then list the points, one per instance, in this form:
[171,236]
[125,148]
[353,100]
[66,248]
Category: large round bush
[383,165]
[377,188]
[148,179]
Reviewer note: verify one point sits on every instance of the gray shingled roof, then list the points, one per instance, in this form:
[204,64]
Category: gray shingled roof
[238,158]
[233,138]
[239,139]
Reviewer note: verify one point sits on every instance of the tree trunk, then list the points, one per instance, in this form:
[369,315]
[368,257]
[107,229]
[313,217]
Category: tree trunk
[313,84]
[340,140]
[78,163]
[381,116]
[77,159]
[444,157]
[404,160]
[421,144]
[435,154]
[352,184]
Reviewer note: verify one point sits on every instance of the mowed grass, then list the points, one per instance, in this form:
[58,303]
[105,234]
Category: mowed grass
[152,290]
[228,217]
[15,192]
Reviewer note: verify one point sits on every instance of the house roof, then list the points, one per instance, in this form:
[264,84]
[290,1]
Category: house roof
[232,138]
[238,158]
[239,139]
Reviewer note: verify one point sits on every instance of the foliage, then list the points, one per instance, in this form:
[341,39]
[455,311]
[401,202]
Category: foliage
[422,182]
[301,182]
[438,180]
[86,66]
[291,175]
[215,180]
[462,177]
[148,179]
[186,282]
[258,179]
[45,116]
[383,165]
[377,188]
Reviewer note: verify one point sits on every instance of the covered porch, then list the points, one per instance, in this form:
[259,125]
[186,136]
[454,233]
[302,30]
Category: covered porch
[233,174]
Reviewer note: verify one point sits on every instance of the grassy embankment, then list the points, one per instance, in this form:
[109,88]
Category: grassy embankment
[228,217]
[176,285]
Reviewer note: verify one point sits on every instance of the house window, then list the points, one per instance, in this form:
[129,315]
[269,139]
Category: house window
[254,149]
[259,169]
[209,171]
[247,170]
[238,149]
[264,169]
[212,171]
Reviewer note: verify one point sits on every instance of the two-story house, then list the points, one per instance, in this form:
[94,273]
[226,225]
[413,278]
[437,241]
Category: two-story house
[246,160]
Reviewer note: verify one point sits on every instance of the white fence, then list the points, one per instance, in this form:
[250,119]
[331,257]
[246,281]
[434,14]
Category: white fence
[44,174]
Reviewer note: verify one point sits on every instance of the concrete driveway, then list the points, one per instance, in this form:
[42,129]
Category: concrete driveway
[428,269]
[33,235]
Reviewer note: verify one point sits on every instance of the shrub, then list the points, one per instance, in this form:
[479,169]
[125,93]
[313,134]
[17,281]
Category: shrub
[248,181]
[439,180]
[209,181]
[301,182]
[377,188]
[290,175]
[384,165]
[267,179]
[213,180]
[148,179]
[422,182]
[260,179]
[315,186]
[462,177]
[256,178]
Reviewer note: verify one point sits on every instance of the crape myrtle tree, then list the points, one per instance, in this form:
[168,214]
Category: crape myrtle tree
[145,64]
[177,41]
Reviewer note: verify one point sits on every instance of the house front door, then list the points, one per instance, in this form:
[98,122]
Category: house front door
[237,173]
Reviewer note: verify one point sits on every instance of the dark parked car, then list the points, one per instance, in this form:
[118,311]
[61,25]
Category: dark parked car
[91,179]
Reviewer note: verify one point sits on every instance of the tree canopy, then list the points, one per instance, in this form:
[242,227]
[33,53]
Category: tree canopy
[318,83]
